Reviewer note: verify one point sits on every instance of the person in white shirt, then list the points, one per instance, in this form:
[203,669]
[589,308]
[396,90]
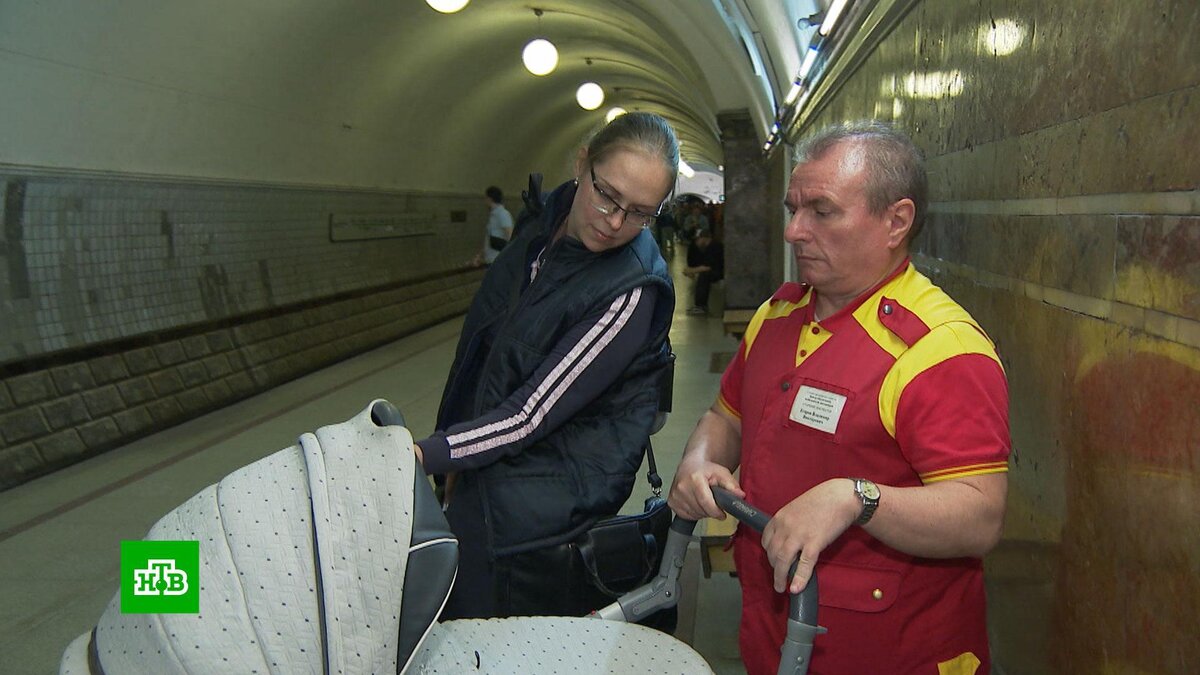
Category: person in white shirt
[499,225]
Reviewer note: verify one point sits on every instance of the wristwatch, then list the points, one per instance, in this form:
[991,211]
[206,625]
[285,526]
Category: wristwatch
[868,494]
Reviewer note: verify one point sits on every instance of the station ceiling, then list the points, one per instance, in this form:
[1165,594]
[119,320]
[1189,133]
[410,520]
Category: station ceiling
[366,80]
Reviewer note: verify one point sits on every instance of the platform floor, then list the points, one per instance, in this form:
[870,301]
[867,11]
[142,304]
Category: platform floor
[60,534]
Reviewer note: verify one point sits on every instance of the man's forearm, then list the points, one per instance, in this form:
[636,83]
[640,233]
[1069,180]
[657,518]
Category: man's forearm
[955,518]
[717,438]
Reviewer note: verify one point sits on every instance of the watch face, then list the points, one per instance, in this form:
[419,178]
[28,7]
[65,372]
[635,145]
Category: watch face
[870,490]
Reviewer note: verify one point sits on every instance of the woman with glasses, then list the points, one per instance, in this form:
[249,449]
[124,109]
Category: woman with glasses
[553,390]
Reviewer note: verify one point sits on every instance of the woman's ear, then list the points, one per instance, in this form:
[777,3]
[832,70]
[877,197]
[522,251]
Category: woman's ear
[581,159]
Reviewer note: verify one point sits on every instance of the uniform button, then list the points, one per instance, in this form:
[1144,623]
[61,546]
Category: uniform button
[887,309]
[816,330]
[803,352]
[785,386]
[877,594]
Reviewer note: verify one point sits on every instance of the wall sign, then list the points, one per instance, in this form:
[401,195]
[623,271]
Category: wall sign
[360,226]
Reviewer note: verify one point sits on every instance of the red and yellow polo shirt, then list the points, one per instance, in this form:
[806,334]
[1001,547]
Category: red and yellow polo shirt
[902,387]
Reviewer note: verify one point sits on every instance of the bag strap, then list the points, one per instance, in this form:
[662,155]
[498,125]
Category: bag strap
[666,383]
[652,476]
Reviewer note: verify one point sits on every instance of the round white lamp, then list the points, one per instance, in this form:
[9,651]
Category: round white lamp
[540,57]
[614,113]
[589,95]
[447,6]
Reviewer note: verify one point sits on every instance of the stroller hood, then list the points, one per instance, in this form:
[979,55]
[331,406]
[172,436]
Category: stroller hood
[307,564]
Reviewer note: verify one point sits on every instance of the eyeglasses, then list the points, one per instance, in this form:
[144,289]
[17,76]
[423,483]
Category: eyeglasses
[610,206]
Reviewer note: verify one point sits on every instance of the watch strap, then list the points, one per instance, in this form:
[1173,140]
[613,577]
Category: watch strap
[869,504]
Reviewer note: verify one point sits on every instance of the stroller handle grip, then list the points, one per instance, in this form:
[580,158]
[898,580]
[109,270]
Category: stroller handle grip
[803,605]
[740,509]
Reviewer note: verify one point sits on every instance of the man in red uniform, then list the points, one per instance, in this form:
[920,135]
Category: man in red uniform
[869,412]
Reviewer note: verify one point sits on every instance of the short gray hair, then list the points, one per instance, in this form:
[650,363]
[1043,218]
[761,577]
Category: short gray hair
[895,166]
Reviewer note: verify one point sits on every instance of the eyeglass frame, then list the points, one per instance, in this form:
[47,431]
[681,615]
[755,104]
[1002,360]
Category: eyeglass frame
[650,217]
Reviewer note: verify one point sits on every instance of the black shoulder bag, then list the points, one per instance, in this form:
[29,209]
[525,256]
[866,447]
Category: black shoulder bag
[591,569]
[620,553]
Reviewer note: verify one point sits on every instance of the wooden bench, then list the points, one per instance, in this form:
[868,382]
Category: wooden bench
[715,554]
[736,320]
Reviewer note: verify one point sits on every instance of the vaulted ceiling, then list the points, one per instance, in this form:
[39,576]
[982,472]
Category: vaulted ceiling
[382,93]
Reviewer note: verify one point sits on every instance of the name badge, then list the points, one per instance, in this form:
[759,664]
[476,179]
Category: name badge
[817,408]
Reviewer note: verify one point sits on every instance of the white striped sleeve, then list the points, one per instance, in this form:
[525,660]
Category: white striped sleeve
[586,360]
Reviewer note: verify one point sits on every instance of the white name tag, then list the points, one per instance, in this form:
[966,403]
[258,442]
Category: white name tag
[817,408]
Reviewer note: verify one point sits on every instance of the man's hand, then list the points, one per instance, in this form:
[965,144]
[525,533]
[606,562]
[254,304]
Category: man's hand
[805,527]
[420,454]
[711,455]
[691,491]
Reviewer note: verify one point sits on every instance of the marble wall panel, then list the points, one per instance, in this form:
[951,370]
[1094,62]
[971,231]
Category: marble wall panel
[1045,163]
[1069,253]
[748,244]
[1103,496]
[1148,146]
[1054,223]
[1158,263]
[1072,253]
[1130,550]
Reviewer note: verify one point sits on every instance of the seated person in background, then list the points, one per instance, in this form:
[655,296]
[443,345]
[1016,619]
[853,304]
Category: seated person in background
[706,264]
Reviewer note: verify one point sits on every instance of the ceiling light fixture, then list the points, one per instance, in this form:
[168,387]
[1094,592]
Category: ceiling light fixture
[447,6]
[589,95]
[832,16]
[614,113]
[540,56]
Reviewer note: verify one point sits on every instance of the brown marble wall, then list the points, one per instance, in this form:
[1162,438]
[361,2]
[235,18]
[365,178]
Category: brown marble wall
[1062,140]
[749,187]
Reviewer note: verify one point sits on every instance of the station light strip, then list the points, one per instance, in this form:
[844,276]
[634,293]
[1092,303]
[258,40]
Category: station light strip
[802,84]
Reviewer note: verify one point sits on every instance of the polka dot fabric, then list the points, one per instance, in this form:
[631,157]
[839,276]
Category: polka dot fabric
[258,588]
[259,610]
[551,646]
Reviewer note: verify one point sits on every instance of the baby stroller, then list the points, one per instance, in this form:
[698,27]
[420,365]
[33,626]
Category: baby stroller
[333,556]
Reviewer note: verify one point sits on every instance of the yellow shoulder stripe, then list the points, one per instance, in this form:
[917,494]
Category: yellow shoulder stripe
[941,344]
[768,310]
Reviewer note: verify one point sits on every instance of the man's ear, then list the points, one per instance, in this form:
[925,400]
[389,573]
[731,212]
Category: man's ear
[900,221]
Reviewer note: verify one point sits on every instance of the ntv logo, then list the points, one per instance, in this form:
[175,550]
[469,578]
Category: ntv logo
[160,577]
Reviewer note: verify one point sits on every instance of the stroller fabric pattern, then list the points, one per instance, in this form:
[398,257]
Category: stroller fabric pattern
[332,556]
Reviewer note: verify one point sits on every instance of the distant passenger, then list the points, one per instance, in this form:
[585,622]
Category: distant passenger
[869,412]
[664,231]
[499,225]
[552,393]
[705,264]
[694,220]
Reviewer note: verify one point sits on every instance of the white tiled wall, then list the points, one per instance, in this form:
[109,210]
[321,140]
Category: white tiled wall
[107,259]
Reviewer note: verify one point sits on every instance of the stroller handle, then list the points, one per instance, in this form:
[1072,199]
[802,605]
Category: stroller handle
[802,606]
[663,592]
